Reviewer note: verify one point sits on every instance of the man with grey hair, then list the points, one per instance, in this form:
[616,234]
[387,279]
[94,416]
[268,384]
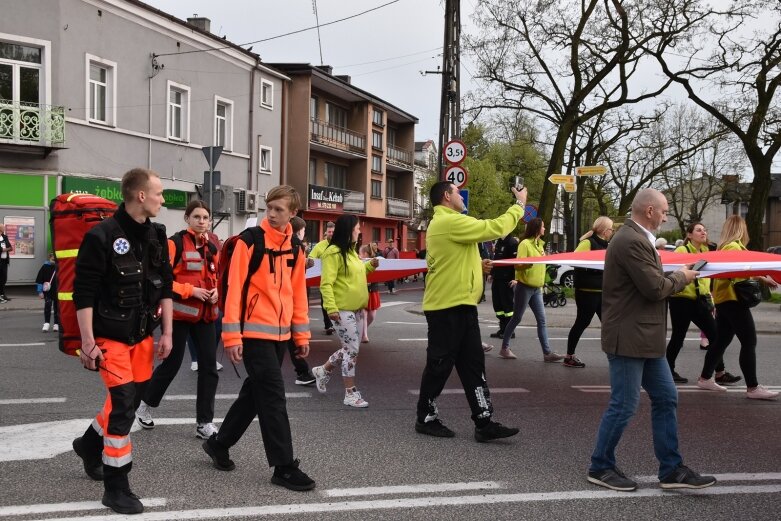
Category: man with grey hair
[634,314]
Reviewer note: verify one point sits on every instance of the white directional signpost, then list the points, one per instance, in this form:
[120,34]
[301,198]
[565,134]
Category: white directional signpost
[582,171]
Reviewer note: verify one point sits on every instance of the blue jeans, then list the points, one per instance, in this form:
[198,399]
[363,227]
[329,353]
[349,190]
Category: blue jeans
[627,375]
[526,295]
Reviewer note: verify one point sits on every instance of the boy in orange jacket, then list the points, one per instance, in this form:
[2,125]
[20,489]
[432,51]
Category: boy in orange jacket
[276,309]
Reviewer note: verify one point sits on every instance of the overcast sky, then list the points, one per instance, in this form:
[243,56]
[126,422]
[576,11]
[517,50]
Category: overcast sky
[383,51]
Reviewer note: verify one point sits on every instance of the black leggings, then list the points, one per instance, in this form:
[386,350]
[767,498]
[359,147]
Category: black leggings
[588,303]
[684,311]
[733,318]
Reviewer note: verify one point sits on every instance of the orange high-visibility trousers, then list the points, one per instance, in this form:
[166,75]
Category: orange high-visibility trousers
[123,368]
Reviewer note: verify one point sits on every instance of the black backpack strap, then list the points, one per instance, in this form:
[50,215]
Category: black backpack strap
[178,241]
[252,236]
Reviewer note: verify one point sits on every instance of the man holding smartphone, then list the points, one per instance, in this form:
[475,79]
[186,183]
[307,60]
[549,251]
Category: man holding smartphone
[453,287]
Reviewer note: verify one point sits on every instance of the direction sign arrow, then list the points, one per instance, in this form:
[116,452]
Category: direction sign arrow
[561,179]
[570,187]
[590,170]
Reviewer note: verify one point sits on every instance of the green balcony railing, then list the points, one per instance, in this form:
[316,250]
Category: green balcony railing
[31,124]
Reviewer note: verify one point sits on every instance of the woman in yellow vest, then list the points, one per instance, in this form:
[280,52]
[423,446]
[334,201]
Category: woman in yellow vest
[528,291]
[733,318]
[690,306]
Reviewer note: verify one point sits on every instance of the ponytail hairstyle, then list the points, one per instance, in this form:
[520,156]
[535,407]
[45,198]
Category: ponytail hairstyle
[734,230]
[601,225]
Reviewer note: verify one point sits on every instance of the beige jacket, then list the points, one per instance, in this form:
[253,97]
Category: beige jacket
[634,293]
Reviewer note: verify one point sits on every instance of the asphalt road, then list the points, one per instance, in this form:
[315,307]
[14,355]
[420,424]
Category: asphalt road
[370,464]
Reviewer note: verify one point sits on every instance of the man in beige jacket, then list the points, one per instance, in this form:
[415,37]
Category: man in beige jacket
[634,314]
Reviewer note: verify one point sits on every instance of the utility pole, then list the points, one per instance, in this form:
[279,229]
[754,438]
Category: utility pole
[450,108]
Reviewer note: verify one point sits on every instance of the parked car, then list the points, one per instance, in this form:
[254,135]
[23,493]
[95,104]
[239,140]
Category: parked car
[565,276]
[774,249]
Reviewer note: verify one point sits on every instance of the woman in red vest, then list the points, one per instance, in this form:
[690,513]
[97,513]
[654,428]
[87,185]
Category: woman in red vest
[194,254]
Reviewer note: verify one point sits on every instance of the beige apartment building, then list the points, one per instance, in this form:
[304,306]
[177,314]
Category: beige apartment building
[348,151]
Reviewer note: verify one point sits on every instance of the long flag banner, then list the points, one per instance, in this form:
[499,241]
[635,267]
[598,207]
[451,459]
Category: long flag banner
[721,264]
[389,269]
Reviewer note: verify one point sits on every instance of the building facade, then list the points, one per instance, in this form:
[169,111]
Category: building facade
[97,87]
[349,151]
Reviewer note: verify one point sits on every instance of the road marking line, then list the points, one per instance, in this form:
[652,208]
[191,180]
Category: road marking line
[175,397]
[24,345]
[21,401]
[412,339]
[738,476]
[76,506]
[681,389]
[413,489]
[498,390]
[428,502]
[408,323]
[567,338]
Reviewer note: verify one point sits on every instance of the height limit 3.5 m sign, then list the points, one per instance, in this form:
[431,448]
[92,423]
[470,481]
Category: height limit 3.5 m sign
[456,175]
[454,152]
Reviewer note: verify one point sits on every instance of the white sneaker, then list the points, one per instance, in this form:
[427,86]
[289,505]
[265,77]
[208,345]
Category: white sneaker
[761,393]
[144,416]
[45,326]
[219,366]
[205,430]
[353,399]
[710,384]
[321,377]
[55,327]
[194,366]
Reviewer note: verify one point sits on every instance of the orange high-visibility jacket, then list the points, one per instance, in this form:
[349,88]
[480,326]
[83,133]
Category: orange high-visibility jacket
[276,300]
[193,271]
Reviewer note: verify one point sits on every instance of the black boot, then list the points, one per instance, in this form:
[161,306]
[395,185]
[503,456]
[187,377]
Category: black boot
[89,448]
[117,495]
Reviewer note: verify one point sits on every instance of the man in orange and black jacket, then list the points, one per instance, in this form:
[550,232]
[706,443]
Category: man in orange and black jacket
[275,310]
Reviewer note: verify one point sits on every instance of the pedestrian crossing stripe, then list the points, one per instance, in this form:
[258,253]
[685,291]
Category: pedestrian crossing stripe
[681,389]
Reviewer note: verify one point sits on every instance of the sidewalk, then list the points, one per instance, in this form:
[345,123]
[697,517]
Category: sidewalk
[767,316]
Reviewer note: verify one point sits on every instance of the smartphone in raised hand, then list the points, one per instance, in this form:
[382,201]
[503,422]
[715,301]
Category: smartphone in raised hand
[517,182]
[697,266]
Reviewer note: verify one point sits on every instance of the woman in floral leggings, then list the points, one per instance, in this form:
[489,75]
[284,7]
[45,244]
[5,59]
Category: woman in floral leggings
[345,294]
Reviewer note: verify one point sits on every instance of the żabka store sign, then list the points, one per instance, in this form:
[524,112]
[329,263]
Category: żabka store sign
[325,198]
[111,190]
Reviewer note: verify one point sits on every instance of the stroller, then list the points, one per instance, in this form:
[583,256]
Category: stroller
[552,294]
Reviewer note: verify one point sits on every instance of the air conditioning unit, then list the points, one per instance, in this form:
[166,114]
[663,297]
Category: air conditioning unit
[247,201]
[222,199]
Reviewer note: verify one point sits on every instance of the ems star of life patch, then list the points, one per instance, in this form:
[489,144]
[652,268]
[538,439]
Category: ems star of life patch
[121,246]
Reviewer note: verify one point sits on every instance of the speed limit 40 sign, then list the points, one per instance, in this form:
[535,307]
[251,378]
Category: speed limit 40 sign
[454,152]
[456,175]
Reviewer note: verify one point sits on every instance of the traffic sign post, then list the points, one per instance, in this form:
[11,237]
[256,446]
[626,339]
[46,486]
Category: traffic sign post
[454,152]
[212,155]
[529,212]
[457,175]
[560,179]
[465,196]
[570,187]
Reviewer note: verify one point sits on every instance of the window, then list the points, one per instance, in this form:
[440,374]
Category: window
[313,171]
[376,189]
[391,136]
[335,115]
[101,82]
[223,123]
[391,187]
[335,176]
[376,164]
[313,108]
[377,117]
[178,116]
[264,159]
[377,140]
[23,89]
[388,234]
[376,235]
[266,94]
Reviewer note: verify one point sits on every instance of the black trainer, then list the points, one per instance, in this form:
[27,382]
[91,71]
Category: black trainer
[434,428]
[219,454]
[500,334]
[291,477]
[728,378]
[613,479]
[122,501]
[684,477]
[94,469]
[305,378]
[494,431]
[679,379]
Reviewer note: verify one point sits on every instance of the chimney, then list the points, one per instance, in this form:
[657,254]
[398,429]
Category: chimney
[326,69]
[344,77]
[201,22]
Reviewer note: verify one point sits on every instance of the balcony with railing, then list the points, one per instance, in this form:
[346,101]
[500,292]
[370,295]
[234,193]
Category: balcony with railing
[400,158]
[354,202]
[398,208]
[31,125]
[338,138]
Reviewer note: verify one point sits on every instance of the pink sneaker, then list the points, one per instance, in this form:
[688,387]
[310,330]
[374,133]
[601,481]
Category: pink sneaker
[506,354]
[710,384]
[761,393]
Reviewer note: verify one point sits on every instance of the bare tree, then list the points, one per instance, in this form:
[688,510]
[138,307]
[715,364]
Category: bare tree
[564,62]
[728,63]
